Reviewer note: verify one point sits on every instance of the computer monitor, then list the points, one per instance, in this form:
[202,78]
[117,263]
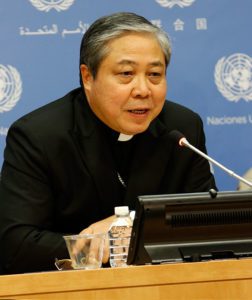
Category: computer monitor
[191,227]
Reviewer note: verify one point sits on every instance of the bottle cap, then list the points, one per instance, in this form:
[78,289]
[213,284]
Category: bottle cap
[121,210]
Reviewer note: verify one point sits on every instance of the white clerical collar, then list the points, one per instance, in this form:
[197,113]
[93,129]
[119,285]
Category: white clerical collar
[124,137]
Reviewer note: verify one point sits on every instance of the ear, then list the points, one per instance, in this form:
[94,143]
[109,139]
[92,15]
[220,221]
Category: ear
[86,76]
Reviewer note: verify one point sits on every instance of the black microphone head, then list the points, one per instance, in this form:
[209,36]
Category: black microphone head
[176,135]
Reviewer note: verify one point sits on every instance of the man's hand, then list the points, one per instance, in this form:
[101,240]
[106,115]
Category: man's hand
[101,227]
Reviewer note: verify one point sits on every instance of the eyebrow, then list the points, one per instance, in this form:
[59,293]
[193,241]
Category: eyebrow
[131,62]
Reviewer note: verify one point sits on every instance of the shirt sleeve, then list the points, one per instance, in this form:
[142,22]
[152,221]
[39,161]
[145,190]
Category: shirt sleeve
[27,208]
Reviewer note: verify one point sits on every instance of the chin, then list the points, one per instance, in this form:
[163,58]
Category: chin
[131,131]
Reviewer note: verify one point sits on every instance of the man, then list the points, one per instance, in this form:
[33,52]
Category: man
[69,163]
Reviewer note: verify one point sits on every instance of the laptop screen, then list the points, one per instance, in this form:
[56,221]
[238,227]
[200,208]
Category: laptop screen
[191,227]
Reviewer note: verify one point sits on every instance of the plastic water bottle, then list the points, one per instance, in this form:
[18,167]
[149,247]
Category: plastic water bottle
[119,237]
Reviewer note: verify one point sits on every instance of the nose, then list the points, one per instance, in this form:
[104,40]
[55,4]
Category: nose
[141,87]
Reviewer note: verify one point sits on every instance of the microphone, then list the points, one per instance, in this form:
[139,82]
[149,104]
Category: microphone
[179,138]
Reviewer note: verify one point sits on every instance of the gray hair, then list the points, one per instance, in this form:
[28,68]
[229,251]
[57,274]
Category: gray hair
[94,42]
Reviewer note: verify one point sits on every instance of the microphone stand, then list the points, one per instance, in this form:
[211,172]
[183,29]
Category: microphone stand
[183,142]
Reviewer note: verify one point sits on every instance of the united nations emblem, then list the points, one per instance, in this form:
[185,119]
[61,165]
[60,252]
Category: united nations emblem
[171,3]
[46,5]
[233,77]
[10,88]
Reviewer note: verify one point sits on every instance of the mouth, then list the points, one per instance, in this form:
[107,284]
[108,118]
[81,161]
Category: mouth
[138,111]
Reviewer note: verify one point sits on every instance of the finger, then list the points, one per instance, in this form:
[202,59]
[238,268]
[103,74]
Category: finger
[106,250]
[81,243]
[95,251]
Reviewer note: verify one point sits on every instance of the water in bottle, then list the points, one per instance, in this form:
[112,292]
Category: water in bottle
[119,237]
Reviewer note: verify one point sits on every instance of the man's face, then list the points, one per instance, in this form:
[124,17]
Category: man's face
[130,86]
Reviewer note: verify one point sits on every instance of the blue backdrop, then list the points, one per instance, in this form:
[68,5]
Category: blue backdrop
[210,71]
